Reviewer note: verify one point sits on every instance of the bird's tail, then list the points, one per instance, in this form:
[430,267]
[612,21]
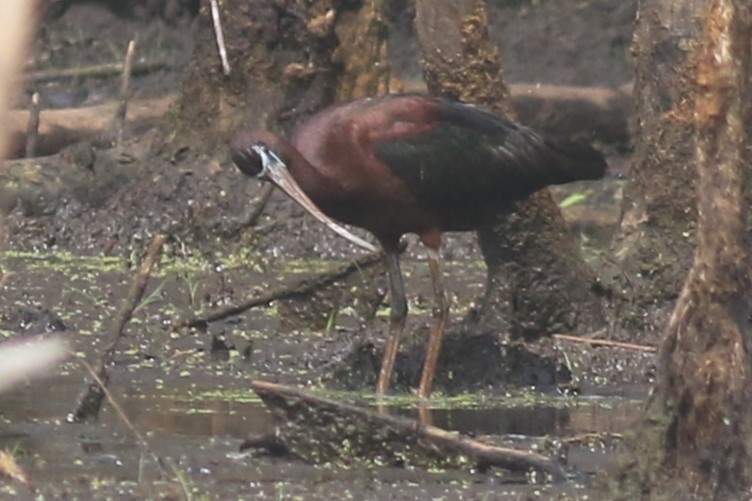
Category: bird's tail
[570,161]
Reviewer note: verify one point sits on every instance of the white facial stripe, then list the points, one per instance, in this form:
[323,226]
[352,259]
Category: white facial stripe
[267,157]
[263,153]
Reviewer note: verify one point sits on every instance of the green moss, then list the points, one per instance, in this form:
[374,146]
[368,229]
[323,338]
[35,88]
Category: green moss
[61,261]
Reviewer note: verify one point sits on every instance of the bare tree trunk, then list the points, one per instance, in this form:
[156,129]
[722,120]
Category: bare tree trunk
[654,245]
[538,283]
[287,62]
[363,52]
[704,386]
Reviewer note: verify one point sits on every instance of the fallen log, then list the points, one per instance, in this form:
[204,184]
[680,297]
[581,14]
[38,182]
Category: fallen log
[584,113]
[589,113]
[581,113]
[62,127]
[319,430]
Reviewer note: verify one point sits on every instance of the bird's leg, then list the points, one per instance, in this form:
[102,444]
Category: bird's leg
[397,318]
[440,314]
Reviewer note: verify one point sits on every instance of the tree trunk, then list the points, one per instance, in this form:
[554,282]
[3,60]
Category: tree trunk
[654,246]
[362,52]
[704,385]
[538,283]
[287,62]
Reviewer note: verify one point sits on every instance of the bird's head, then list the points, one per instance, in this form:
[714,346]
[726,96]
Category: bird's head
[260,154]
[254,151]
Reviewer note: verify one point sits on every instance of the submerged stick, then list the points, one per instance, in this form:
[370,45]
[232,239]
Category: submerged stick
[304,286]
[320,430]
[90,401]
[121,413]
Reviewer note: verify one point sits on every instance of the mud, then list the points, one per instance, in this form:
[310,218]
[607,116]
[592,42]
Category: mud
[188,393]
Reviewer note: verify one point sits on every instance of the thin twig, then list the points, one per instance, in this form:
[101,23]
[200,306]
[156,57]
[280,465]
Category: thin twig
[605,342]
[90,402]
[182,353]
[32,128]
[258,208]
[165,465]
[220,37]
[121,413]
[125,84]
[301,287]
[97,70]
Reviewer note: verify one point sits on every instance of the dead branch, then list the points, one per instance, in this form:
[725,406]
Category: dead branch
[125,84]
[320,430]
[60,128]
[604,342]
[123,416]
[97,70]
[304,286]
[90,402]
[32,128]
[579,111]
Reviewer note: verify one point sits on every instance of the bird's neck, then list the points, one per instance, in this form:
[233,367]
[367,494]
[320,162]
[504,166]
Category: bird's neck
[314,180]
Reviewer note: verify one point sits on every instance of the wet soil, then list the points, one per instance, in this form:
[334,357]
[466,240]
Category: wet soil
[199,426]
[187,391]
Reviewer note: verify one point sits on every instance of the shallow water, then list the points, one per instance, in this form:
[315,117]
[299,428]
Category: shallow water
[200,429]
[194,408]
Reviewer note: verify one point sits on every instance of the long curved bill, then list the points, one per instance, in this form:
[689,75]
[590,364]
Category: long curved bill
[276,171]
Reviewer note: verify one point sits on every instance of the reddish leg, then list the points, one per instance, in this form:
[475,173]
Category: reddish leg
[440,315]
[396,320]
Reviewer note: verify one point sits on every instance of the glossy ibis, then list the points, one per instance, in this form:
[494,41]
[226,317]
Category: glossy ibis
[411,163]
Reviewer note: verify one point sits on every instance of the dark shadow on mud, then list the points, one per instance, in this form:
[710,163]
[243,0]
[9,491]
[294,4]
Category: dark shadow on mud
[468,362]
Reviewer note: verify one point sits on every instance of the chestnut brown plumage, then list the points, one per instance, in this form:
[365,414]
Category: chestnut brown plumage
[411,163]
